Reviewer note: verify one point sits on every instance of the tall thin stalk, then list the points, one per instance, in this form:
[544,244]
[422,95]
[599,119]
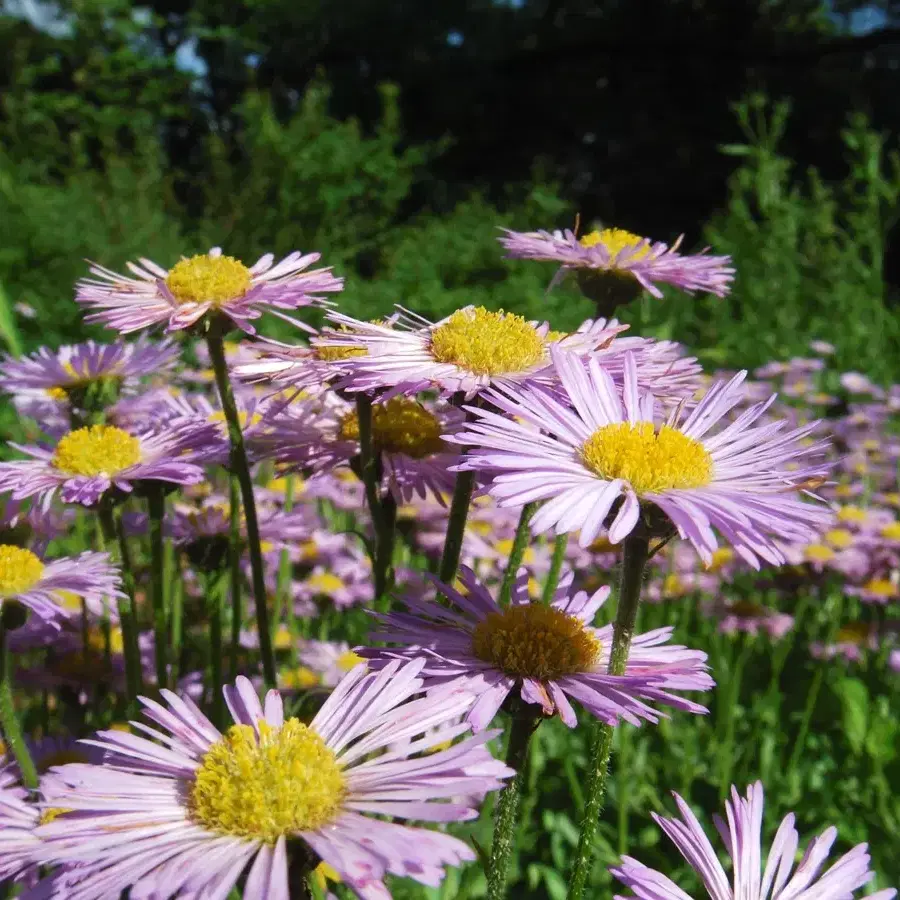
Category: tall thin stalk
[517,552]
[456,526]
[216,583]
[9,721]
[556,563]
[635,552]
[240,466]
[156,504]
[234,563]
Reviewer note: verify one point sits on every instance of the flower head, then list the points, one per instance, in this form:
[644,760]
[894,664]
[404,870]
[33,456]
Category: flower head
[750,880]
[467,351]
[199,285]
[47,587]
[190,816]
[546,653]
[613,265]
[592,454]
[86,463]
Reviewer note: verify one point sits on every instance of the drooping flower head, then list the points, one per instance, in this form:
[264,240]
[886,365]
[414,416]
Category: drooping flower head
[190,816]
[614,265]
[76,368]
[321,433]
[548,654]
[47,587]
[86,463]
[596,455]
[778,879]
[197,285]
[467,351]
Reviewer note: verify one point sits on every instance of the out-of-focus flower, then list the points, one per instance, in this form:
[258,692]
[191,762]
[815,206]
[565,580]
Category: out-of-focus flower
[198,285]
[779,880]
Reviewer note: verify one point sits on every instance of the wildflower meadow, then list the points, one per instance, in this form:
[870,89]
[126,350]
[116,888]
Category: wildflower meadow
[297,604]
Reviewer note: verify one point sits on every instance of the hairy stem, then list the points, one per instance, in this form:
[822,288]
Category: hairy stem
[156,505]
[456,526]
[556,564]
[9,721]
[517,553]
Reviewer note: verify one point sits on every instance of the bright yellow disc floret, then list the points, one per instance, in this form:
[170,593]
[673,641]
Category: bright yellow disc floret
[399,426]
[20,570]
[616,240]
[535,641]
[96,450]
[649,460]
[487,343]
[283,782]
[208,279]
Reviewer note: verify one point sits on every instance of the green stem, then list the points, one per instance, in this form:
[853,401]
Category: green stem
[507,817]
[9,721]
[384,552]
[177,617]
[556,564]
[726,751]
[156,504]
[234,561]
[283,589]
[635,552]
[517,553]
[456,526]
[216,583]
[113,534]
[240,466]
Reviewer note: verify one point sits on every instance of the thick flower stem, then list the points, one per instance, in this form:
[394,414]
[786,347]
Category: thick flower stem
[9,721]
[240,466]
[517,553]
[635,552]
[524,724]
[112,533]
[156,504]
[384,551]
[216,583]
[456,526]
[234,559]
[556,564]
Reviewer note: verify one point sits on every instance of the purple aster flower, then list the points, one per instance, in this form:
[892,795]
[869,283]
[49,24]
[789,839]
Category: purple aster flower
[187,817]
[751,618]
[741,832]
[319,434]
[547,653]
[467,351]
[73,367]
[601,455]
[329,660]
[201,284]
[86,463]
[46,587]
[617,254]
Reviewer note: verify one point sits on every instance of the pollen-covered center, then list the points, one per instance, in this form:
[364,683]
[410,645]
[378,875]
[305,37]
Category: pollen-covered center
[616,240]
[96,450]
[649,460]
[487,343]
[399,426]
[20,570]
[535,641]
[280,783]
[208,279]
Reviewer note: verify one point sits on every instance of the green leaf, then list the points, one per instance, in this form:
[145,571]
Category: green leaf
[854,698]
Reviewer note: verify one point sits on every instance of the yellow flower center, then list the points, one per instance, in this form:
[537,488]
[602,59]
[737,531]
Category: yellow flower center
[285,781]
[721,557]
[96,450]
[323,873]
[892,531]
[672,585]
[881,587]
[535,641]
[324,583]
[347,661]
[649,460]
[819,553]
[487,343]
[603,544]
[20,570]
[615,240]
[839,537]
[298,679]
[853,633]
[208,279]
[399,426]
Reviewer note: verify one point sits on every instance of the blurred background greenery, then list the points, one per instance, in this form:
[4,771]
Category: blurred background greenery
[396,141]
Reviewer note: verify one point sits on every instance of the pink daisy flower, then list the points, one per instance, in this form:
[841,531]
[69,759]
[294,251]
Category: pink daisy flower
[466,352]
[741,832]
[547,653]
[187,816]
[87,462]
[46,587]
[321,434]
[602,456]
[622,255]
[198,285]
